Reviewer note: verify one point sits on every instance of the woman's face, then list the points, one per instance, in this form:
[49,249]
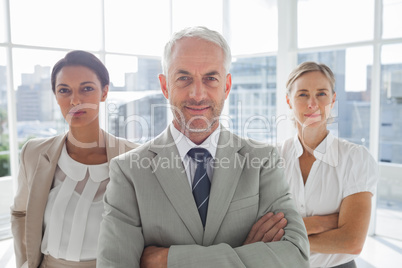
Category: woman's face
[311,99]
[79,92]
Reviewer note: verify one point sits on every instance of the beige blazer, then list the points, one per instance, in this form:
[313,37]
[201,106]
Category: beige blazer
[149,202]
[38,163]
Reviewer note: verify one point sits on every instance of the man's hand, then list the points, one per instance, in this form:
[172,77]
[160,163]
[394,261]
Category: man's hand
[267,229]
[154,257]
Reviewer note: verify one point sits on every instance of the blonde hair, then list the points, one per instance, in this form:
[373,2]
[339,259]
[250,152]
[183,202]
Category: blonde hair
[310,66]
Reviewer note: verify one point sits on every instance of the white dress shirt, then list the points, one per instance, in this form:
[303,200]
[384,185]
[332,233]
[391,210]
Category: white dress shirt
[74,210]
[341,169]
[184,145]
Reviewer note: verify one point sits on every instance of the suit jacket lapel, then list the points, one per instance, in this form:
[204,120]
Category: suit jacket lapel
[116,146]
[173,180]
[41,182]
[112,146]
[224,183]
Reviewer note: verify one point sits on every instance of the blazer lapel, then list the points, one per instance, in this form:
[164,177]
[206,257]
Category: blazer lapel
[116,146]
[41,182]
[224,183]
[173,180]
[112,146]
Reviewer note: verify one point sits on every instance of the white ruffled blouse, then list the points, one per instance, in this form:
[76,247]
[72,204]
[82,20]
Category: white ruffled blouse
[74,210]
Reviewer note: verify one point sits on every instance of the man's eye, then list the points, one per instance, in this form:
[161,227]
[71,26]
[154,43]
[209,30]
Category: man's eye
[211,78]
[303,95]
[322,94]
[183,81]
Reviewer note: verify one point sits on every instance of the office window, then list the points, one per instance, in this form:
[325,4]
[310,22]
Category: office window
[389,190]
[136,108]
[38,115]
[197,13]
[66,24]
[252,114]
[352,70]
[139,27]
[4,143]
[392,10]
[391,105]
[329,22]
[2,22]
[119,68]
[6,182]
[253,26]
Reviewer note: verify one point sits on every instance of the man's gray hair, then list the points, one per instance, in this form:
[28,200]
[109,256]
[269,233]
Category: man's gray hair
[200,32]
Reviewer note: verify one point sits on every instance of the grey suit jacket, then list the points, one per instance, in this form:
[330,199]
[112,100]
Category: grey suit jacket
[38,163]
[149,202]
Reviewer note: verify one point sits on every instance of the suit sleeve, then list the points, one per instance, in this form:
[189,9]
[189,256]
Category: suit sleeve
[18,212]
[120,240]
[291,251]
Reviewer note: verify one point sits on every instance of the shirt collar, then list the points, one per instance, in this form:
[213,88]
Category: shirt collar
[298,146]
[184,144]
[77,171]
[322,152]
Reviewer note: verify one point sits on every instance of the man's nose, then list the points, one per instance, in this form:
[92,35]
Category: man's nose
[198,90]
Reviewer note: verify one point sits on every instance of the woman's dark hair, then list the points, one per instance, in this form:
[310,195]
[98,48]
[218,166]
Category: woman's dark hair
[81,58]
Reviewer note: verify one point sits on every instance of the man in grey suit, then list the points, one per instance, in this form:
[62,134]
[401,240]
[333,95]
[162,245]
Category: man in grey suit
[198,195]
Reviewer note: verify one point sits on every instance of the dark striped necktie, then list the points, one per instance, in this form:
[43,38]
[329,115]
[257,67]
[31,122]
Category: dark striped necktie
[201,184]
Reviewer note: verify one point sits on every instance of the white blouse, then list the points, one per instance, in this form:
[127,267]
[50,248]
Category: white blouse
[74,210]
[341,169]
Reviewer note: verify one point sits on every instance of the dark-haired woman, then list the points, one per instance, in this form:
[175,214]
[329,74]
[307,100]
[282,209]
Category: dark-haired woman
[58,207]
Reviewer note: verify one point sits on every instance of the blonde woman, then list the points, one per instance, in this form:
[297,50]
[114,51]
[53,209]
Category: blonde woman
[58,206]
[332,180]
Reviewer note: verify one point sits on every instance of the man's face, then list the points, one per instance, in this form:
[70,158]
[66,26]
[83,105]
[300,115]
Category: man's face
[197,85]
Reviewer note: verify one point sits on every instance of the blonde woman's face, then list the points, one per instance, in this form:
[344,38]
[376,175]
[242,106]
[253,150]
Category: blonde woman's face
[311,98]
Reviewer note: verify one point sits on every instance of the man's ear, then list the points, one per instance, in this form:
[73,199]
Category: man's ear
[228,85]
[163,83]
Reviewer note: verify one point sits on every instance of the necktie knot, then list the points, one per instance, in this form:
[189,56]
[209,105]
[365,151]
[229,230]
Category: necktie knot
[199,154]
